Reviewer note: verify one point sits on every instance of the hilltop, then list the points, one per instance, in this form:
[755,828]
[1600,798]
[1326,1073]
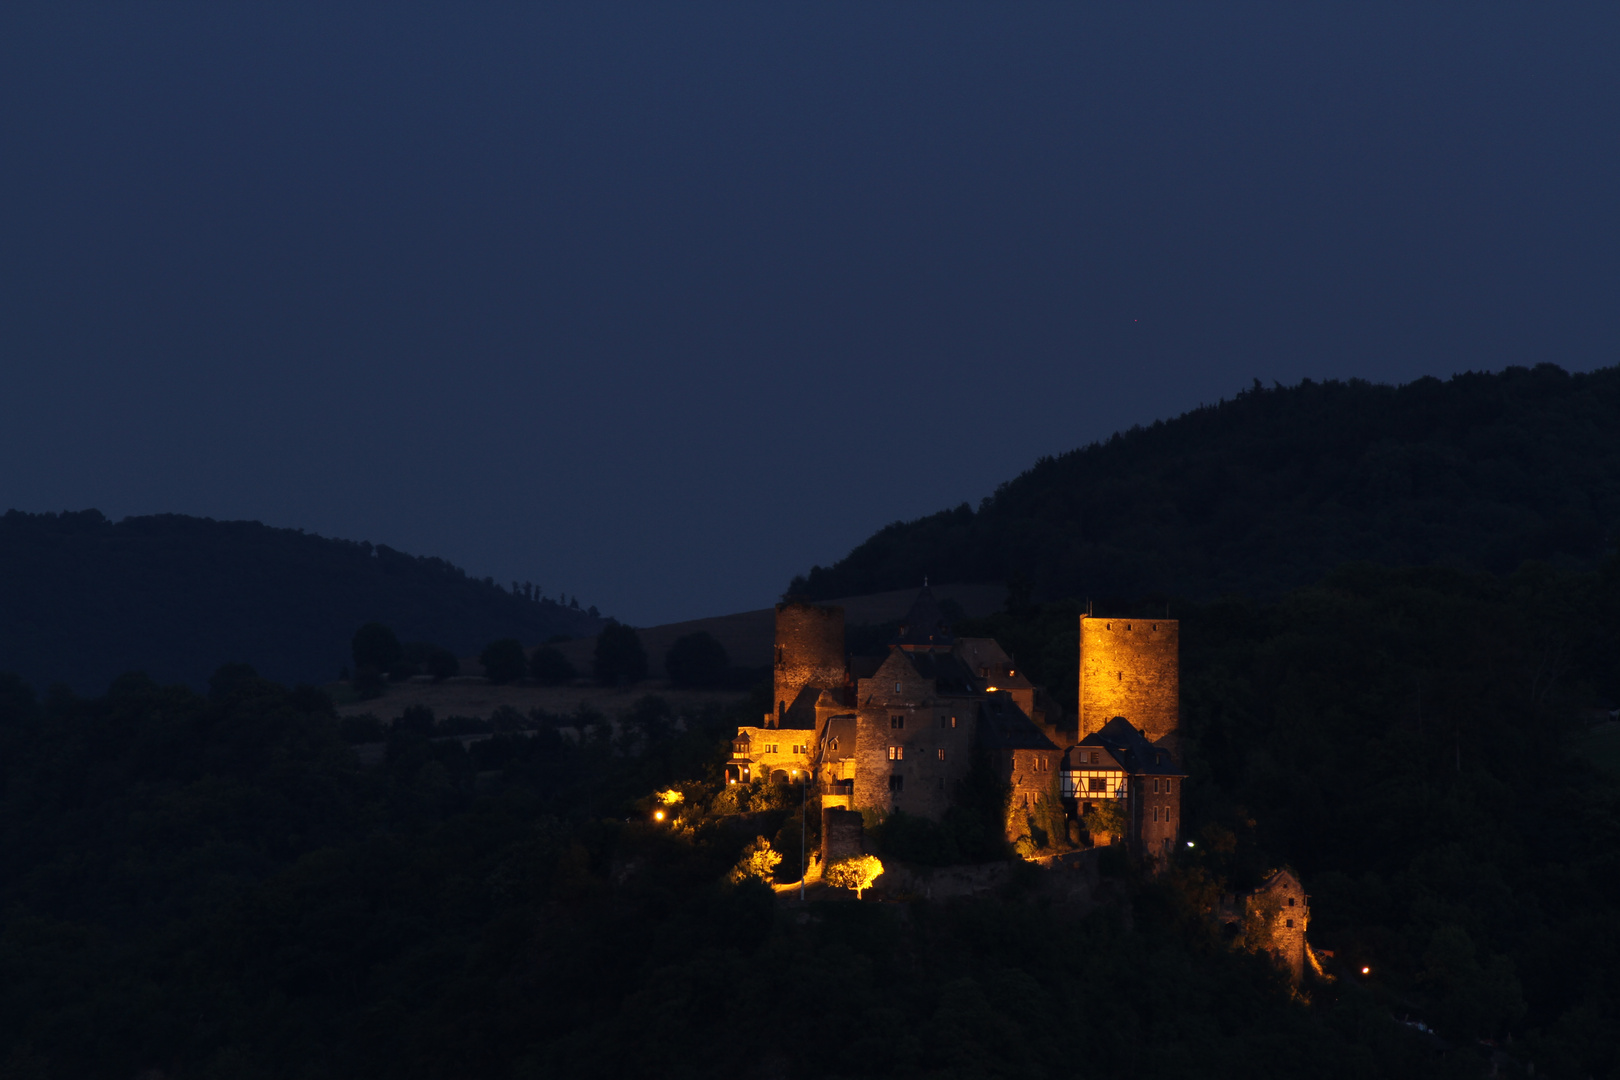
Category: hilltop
[84,599]
[1270,490]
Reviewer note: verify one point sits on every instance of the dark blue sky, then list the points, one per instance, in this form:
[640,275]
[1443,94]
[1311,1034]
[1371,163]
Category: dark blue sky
[659,304]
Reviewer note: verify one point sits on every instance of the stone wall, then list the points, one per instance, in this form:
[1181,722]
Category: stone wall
[913,766]
[1130,668]
[841,835]
[809,650]
[1276,916]
[1155,815]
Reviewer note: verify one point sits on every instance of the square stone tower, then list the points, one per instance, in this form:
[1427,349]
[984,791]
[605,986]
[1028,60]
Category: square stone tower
[1130,668]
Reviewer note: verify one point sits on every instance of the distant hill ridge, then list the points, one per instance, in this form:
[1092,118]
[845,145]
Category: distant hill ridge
[1272,489]
[84,599]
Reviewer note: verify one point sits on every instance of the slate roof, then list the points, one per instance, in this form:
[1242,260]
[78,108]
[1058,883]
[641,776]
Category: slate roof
[1132,750]
[1003,726]
[924,625]
[949,674]
[838,741]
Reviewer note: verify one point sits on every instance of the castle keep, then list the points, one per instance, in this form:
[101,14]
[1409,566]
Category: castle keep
[900,730]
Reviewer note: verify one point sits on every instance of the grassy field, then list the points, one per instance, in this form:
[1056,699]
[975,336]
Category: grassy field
[474,697]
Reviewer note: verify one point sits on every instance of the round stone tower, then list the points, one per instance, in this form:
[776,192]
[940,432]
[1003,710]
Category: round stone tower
[809,651]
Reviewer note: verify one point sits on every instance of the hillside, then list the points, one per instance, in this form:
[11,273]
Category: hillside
[84,599]
[1270,490]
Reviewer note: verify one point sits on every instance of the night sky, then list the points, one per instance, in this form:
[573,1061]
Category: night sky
[659,304]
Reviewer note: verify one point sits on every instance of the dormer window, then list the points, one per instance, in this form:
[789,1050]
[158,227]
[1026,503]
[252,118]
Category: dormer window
[897,686]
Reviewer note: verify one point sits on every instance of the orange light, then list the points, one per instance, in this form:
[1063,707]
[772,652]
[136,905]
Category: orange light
[1366,971]
[658,815]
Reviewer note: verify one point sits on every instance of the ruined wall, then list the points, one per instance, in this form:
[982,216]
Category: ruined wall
[841,833]
[1276,916]
[1130,668]
[809,650]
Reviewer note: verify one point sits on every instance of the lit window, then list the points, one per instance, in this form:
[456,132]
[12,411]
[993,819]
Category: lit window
[941,753]
[896,753]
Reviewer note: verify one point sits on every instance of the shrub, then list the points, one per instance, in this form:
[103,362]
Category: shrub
[548,667]
[504,661]
[620,658]
[697,660]
[857,873]
[758,861]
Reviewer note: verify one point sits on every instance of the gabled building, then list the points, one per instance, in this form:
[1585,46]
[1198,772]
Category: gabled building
[900,730]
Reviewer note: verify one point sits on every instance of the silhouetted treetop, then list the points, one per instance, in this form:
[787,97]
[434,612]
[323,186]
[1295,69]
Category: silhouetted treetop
[84,599]
[1275,487]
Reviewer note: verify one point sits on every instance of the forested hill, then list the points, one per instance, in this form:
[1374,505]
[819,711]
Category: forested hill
[84,599]
[1269,490]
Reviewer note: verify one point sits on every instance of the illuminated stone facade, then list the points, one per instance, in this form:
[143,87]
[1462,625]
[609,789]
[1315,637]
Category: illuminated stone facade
[898,732]
[809,653]
[1273,919]
[1130,668]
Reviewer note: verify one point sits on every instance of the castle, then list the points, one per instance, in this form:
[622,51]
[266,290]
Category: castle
[899,731]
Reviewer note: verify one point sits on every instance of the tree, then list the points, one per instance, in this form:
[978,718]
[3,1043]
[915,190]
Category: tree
[503,660]
[857,873]
[375,646]
[619,658]
[758,861]
[548,667]
[696,660]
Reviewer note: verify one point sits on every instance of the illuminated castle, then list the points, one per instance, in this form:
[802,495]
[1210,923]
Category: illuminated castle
[899,731]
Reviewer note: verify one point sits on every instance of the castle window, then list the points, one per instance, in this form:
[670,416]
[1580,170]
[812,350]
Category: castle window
[896,753]
[1155,785]
[1167,785]
[1155,813]
[941,753]
[897,686]
[1290,924]
[1095,757]
[1290,901]
[897,783]
[1097,783]
[897,722]
[1119,676]
[832,743]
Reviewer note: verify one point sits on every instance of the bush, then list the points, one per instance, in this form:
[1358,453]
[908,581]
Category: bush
[503,660]
[697,660]
[620,658]
[375,646]
[548,667]
[758,861]
[857,873]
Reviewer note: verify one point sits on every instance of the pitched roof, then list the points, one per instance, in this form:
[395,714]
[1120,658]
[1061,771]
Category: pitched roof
[1003,726]
[838,741]
[949,674]
[924,625]
[1132,749]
